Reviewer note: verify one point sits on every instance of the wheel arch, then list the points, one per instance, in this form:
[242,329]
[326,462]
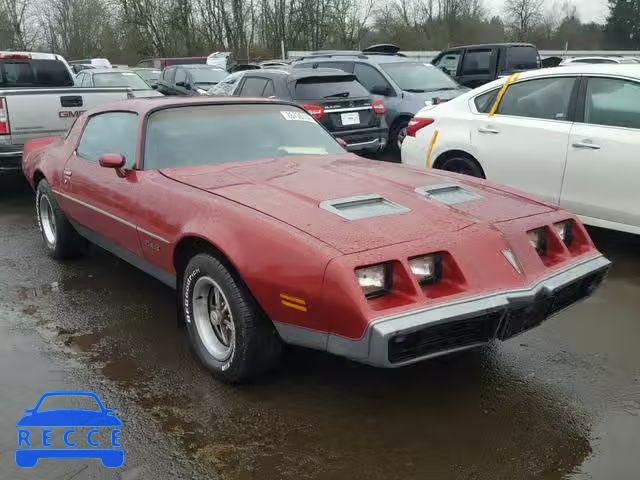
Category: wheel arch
[443,157]
[190,245]
[38,176]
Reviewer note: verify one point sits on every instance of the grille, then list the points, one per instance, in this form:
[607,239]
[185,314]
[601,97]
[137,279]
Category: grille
[443,337]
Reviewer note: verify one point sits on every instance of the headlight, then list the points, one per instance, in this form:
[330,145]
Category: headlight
[426,269]
[374,280]
[538,240]
[565,231]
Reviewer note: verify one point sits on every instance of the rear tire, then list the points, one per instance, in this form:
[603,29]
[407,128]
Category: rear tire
[60,238]
[463,165]
[227,330]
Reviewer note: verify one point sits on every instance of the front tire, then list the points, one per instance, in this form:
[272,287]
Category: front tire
[60,238]
[397,135]
[463,165]
[227,329]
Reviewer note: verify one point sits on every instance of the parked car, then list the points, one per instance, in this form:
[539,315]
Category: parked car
[162,63]
[111,77]
[404,85]
[475,65]
[149,75]
[189,79]
[596,60]
[333,97]
[370,260]
[568,135]
[37,98]
[78,67]
[223,60]
[225,86]
[94,62]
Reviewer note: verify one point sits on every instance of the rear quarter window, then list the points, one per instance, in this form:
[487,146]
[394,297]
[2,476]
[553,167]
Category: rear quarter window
[521,58]
[328,87]
[34,73]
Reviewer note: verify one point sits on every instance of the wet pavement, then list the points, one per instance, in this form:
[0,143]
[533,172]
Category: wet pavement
[559,402]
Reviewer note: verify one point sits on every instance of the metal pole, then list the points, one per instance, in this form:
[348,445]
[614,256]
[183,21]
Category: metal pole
[282,49]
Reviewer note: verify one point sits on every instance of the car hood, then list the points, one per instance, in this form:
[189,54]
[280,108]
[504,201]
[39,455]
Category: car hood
[69,418]
[300,190]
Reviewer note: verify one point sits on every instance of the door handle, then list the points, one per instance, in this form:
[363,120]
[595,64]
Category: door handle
[67,173]
[488,130]
[585,144]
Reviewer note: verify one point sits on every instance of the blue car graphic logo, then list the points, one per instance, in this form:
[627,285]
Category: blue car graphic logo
[35,433]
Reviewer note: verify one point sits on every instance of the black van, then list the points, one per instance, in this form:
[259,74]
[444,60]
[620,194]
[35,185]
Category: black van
[475,65]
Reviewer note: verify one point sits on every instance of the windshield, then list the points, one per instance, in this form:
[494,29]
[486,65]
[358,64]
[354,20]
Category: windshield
[329,87]
[207,75]
[149,75]
[216,134]
[120,79]
[418,77]
[34,73]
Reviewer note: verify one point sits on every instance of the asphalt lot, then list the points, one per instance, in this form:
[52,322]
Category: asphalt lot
[560,402]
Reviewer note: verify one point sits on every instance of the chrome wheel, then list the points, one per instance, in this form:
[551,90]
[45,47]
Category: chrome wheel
[402,133]
[213,318]
[47,221]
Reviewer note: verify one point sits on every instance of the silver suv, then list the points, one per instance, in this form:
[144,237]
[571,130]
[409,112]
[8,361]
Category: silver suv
[404,85]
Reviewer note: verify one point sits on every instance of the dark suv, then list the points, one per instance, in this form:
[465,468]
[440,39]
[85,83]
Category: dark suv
[189,79]
[334,98]
[404,85]
[475,65]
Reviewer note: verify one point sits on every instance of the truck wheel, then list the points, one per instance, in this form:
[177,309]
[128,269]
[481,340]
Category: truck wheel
[227,330]
[464,165]
[60,238]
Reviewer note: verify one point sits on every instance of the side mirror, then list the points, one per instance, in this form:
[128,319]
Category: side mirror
[112,160]
[154,86]
[187,86]
[181,84]
[380,90]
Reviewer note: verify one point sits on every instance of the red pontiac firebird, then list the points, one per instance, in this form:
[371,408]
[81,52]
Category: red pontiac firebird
[272,233]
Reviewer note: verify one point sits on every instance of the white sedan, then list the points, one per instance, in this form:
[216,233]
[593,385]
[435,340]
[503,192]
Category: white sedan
[569,135]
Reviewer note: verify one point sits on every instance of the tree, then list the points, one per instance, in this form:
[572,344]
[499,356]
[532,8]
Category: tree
[623,25]
[522,17]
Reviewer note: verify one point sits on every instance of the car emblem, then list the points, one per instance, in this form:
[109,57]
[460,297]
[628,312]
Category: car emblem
[509,255]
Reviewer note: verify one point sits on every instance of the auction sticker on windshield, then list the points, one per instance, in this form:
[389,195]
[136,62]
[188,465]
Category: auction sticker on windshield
[296,116]
[88,431]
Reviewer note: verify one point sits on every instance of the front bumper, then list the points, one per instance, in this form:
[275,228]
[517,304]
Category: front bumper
[411,337]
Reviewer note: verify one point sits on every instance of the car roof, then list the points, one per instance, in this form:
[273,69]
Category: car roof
[142,106]
[110,70]
[624,69]
[319,57]
[300,73]
[202,66]
[492,45]
[33,55]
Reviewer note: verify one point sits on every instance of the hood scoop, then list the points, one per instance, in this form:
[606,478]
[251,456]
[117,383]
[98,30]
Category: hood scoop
[362,206]
[449,194]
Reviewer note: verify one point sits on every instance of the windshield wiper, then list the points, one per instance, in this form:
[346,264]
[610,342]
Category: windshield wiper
[341,94]
[414,90]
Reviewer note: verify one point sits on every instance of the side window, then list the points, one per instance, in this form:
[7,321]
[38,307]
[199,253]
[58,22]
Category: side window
[545,98]
[612,102]
[122,138]
[449,62]
[253,87]
[167,74]
[269,89]
[477,62]
[181,76]
[78,80]
[485,101]
[369,77]
[86,80]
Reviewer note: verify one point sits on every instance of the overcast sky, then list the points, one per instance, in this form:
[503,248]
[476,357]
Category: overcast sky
[588,10]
